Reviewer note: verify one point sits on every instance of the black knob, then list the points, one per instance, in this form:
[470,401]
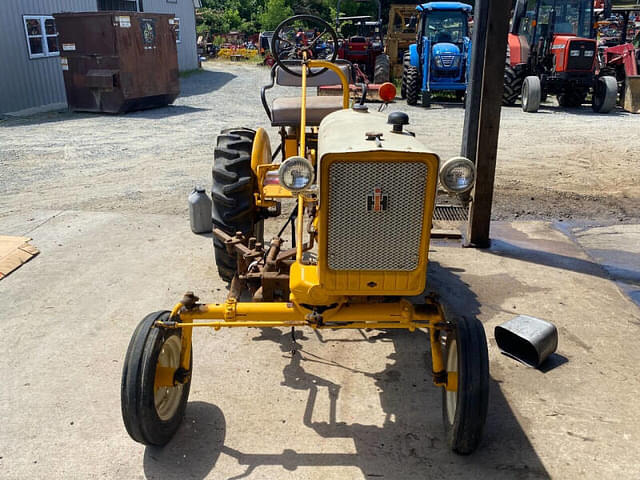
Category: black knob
[398,120]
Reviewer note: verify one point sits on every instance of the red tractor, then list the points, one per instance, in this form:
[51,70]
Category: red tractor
[365,50]
[552,50]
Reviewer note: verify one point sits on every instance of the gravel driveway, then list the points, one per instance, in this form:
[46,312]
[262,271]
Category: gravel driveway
[553,165]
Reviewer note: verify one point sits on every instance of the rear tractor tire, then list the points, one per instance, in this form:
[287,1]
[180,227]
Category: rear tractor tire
[605,94]
[465,400]
[234,183]
[531,94]
[512,86]
[382,69]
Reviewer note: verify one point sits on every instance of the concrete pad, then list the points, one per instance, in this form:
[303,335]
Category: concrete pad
[617,249]
[349,404]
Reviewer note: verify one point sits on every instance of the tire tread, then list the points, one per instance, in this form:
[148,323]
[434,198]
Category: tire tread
[232,190]
[465,434]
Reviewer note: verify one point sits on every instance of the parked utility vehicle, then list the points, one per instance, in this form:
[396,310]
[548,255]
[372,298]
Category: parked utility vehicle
[365,49]
[552,51]
[441,57]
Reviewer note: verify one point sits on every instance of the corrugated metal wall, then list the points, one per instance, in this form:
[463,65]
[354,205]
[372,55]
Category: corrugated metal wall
[30,83]
[33,83]
[183,9]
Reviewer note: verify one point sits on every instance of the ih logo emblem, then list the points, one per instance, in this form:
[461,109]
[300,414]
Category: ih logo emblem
[377,202]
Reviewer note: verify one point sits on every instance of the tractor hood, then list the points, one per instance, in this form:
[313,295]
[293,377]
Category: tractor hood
[345,131]
[446,56]
[445,49]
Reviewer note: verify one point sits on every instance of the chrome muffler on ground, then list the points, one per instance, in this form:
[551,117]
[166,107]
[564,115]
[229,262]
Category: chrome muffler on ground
[527,339]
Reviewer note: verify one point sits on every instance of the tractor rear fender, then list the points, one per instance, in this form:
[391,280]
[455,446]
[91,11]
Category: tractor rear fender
[261,152]
[518,49]
[261,164]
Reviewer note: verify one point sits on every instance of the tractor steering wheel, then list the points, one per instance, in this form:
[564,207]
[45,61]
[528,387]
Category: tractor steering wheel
[300,35]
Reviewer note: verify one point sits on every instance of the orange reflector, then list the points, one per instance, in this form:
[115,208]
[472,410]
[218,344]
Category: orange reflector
[387,91]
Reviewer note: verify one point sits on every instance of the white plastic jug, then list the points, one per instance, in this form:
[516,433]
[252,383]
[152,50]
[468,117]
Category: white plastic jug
[200,211]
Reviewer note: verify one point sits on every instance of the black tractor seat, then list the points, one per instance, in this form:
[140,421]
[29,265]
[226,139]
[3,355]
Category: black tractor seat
[285,111]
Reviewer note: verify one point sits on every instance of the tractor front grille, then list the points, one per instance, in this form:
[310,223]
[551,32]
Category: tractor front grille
[581,54]
[447,60]
[375,215]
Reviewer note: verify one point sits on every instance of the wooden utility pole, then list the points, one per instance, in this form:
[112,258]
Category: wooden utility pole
[482,117]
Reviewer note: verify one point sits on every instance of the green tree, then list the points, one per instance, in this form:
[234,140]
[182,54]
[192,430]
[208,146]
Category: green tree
[232,18]
[274,12]
[212,21]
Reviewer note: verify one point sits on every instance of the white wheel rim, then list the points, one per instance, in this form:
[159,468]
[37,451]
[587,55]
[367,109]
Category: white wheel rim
[525,95]
[167,399]
[452,366]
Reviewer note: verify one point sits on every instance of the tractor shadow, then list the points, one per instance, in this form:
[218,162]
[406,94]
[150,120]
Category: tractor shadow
[410,442]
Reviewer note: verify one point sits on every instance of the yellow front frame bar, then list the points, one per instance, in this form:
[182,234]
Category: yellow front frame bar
[396,315]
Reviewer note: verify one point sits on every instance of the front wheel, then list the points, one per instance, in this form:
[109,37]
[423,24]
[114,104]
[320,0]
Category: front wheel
[152,411]
[465,399]
[531,94]
[605,94]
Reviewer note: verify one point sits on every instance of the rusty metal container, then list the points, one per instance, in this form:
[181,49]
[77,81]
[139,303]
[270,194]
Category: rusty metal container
[116,62]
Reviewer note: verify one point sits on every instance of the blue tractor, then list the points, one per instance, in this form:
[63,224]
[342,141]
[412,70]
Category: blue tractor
[441,58]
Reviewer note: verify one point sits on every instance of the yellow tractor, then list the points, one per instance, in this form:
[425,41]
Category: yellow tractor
[362,190]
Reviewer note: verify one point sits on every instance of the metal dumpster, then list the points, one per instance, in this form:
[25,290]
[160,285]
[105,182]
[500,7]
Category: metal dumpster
[118,61]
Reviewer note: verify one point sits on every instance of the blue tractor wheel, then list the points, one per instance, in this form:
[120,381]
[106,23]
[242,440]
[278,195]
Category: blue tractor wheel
[411,81]
[406,62]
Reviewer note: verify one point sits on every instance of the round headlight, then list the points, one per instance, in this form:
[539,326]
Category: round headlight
[296,174]
[457,175]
